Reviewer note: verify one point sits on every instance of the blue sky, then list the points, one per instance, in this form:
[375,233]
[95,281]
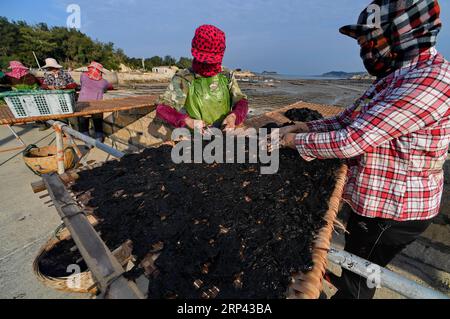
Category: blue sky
[288,36]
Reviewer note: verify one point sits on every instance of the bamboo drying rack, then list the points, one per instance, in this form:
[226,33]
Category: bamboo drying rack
[309,285]
[304,285]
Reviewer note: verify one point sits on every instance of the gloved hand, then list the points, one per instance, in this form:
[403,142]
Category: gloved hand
[229,122]
[195,125]
[286,136]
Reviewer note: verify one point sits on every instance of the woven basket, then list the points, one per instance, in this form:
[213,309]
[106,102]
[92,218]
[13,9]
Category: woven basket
[86,281]
[43,160]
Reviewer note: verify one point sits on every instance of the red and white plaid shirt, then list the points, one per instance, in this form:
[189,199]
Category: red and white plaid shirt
[396,137]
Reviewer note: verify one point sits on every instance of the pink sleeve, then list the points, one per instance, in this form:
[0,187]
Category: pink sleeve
[240,109]
[171,116]
[107,86]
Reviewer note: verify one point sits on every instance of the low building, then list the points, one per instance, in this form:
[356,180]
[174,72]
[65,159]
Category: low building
[168,70]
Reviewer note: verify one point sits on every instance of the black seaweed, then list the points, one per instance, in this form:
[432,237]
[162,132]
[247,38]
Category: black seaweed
[227,231]
[303,115]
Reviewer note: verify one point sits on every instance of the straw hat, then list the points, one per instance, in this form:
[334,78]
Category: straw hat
[51,63]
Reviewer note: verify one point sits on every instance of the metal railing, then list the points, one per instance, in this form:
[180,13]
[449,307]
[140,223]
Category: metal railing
[60,127]
[387,278]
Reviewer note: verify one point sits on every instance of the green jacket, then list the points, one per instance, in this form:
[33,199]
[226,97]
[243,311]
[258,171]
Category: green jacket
[177,94]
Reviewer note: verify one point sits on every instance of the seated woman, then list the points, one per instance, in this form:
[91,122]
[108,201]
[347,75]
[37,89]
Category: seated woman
[20,77]
[206,94]
[55,78]
[93,86]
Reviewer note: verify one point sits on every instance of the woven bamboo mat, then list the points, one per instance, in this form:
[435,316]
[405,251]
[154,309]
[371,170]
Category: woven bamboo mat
[310,285]
[86,108]
[278,117]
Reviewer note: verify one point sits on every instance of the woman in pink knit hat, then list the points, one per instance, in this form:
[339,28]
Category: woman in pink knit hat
[206,94]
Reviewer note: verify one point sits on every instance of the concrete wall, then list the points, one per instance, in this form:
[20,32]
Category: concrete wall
[124,78]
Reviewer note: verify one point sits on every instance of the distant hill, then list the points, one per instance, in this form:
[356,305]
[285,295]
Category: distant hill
[342,74]
[269,73]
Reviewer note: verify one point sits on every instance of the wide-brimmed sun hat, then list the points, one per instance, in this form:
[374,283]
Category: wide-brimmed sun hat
[209,44]
[51,63]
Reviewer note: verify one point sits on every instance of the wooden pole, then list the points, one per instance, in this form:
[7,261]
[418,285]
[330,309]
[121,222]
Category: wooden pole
[105,268]
[88,140]
[59,148]
[37,61]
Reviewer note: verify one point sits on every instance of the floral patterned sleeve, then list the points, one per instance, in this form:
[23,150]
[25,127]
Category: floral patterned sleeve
[176,93]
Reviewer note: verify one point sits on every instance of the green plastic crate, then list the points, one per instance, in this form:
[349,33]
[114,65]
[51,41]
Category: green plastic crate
[39,102]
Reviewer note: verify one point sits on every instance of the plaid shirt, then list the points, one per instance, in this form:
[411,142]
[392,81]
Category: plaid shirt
[396,137]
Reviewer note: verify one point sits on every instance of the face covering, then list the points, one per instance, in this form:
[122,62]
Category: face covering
[407,28]
[205,69]
[94,74]
[378,57]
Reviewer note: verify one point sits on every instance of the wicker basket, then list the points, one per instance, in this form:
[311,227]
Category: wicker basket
[39,102]
[86,281]
[43,160]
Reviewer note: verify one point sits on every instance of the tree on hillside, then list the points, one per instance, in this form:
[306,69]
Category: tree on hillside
[153,62]
[8,43]
[184,63]
[70,47]
[169,61]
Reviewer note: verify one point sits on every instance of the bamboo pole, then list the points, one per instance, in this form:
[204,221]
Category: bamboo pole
[88,140]
[105,268]
[59,148]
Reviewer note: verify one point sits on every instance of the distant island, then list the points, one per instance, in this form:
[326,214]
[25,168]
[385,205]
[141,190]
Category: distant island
[342,74]
[348,75]
[269,73]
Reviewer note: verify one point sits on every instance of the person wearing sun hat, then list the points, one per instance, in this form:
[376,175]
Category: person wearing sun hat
[93,86]
[205,94]
[55,78]
[395,138]
[20,76]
